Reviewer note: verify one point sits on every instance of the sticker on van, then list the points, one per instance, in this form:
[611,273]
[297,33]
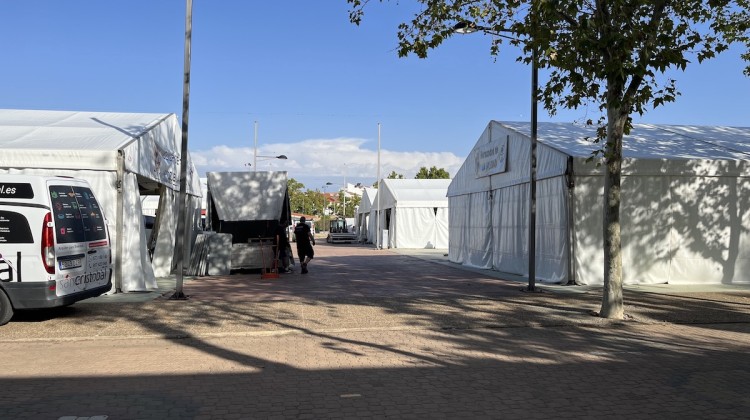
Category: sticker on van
[16,190]
[14,228]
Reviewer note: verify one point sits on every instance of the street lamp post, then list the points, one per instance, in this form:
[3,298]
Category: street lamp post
[323,209]
[378,226]
[255,151]
[345,188]
[470,27]
[255,159]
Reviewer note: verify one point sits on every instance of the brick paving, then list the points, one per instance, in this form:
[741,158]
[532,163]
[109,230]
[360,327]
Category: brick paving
[377,334]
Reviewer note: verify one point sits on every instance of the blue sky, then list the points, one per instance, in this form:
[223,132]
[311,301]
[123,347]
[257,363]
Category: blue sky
[316,84]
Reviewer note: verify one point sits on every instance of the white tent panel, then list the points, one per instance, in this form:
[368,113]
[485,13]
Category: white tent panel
[441,228]
[137,272]
[510,227]
[552,244]
[365,204]
[457,247]
[480,232]
[242,196]
[373,226]
[416,228]
[708,237]
[165,238]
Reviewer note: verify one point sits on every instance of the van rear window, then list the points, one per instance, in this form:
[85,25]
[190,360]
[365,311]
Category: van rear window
[78,217]
[93,220]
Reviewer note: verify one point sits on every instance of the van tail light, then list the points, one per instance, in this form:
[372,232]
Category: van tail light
[48,244]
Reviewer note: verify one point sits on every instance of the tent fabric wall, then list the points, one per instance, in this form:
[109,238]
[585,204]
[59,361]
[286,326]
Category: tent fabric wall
[165,238]
[457,247]
[510,229]
[442,233]
[685,214]
[695,230]
[97,146]
[479,222]
[137,272]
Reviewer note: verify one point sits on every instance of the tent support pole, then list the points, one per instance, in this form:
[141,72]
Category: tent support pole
[120,216]
[571,213]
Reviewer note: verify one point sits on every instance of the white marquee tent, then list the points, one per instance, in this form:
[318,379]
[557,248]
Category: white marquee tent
[413,213]
[685,212]
[121,155]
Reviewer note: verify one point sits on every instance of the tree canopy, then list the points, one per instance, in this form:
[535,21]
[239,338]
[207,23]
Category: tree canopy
[432,173]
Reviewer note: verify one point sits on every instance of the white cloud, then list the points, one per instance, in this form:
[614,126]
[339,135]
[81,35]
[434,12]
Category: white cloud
[324,158]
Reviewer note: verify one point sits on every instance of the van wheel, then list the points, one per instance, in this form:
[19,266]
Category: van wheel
[6,309]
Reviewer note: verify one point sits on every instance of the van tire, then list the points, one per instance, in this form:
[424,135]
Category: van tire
[6,309]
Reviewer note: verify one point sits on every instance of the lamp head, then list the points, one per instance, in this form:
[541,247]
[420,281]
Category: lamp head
[465,27]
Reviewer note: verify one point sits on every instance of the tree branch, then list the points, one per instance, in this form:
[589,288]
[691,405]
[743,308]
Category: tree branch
[647,50]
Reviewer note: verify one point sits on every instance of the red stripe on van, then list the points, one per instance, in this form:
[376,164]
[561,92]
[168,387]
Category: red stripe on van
[98,244]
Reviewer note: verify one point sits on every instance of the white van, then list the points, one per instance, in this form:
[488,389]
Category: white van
[54,243]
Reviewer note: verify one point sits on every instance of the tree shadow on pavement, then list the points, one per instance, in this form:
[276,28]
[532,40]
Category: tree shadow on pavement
[389,319]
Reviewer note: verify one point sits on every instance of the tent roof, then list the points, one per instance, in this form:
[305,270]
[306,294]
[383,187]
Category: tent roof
[150,143]
[368,196]
[65,130]
[647,141]
[248,196]
[414,193]
[653,150]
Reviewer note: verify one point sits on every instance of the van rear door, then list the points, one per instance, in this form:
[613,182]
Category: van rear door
[82,249]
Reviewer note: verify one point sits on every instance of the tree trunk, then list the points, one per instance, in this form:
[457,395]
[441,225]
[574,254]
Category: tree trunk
[612,303]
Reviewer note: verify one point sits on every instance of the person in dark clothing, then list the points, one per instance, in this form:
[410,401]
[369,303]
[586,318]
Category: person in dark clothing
[281,241]
[305,242]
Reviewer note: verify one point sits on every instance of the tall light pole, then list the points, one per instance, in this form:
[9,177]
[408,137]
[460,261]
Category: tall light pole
[324,187]
[282,157]
[345,188]
[182,225]
[255,150]
[470,27]
[380,184]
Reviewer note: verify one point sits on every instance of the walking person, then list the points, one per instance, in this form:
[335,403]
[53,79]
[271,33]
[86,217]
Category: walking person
[305,242]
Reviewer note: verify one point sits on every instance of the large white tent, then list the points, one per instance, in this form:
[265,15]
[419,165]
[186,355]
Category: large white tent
[685,215]
[122,155]
[412,213]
